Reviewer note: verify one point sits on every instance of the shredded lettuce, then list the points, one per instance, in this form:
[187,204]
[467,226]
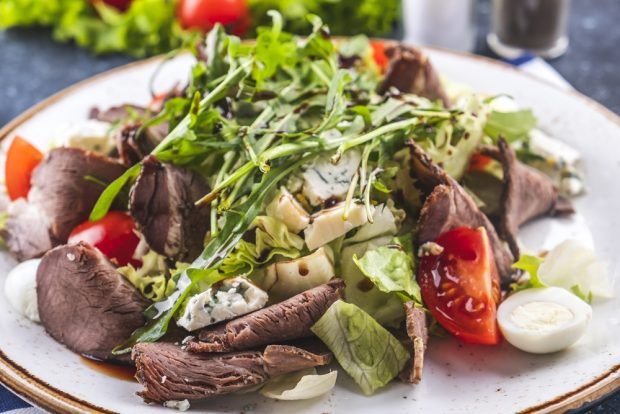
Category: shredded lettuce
[153,279]
[370,354]
[300,385]
[571,266]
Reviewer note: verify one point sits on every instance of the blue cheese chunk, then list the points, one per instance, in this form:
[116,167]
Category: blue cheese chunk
[324,180]
[230,299]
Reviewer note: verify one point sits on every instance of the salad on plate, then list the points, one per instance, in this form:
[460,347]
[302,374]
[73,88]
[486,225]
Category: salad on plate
[302,208]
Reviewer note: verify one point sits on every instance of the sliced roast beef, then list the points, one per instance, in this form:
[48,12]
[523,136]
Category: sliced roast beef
[448,206]
[27,231]
[169,373]
[527,193]
[410,71]
[132,142]
[417,330]
[65,188]
[84,303]
[162,205]
[283,321]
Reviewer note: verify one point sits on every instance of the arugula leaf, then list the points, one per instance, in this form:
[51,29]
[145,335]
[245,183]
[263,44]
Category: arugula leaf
[512,126]
[369,353]
[108,195]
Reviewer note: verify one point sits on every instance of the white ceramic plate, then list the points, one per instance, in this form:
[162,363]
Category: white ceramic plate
[457,378]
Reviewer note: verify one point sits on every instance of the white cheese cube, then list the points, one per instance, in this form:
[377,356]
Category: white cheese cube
[285,279]
[329,224]
[287,209]
[232,298]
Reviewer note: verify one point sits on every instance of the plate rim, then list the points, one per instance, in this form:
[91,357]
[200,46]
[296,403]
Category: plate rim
[43,395]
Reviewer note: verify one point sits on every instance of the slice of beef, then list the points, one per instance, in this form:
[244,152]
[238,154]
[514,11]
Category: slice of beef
[410,71]
[283,321]
[27,231]
[84,303]
[169,373]
[417,331]
[162,205]
[448,206]
[62,196]
[527,194]
[133,144]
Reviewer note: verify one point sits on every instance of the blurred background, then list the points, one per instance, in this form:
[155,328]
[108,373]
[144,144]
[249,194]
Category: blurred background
[47,45]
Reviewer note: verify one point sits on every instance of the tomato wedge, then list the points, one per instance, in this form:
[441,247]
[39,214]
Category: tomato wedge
[460,285]
[21,160]
[114,234]
[379,56]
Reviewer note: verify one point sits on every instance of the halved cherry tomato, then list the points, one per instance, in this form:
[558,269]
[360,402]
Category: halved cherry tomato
[203,14]
[460,285]
[479,162]
[114,234]
[379,56]
[21,160]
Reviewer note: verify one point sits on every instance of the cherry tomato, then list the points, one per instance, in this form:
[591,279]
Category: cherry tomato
[479,162]
[21,160]
[379,56]
[203,14]
[460,285]
[120,5]
[114,234]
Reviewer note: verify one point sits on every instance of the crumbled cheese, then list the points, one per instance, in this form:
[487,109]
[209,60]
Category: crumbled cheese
[233,297]
[90,134]
[329,224]
[179,405]
[324,180]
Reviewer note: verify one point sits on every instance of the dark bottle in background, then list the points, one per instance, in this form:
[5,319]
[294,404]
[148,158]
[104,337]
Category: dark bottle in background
[536,26]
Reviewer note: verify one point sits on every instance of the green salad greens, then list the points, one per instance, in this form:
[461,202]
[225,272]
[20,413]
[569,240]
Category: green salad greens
[308,170]
[149,27]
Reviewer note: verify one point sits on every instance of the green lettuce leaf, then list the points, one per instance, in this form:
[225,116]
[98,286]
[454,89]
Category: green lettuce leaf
[370,354]
[153,279]
[451,143]
[272,239]
[391,269]
[385,308]
[512,126]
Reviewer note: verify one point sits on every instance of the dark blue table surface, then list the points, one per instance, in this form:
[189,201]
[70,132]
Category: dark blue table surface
[32,67]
